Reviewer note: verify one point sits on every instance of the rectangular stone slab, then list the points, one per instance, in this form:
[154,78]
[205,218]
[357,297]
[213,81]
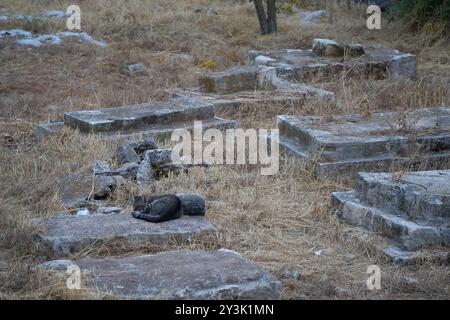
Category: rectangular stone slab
[409,234]
[302,65]
[353,141]
[423,195]
[139,116]
[47,129]
[158,131]
[240,78]
[68,234]
[176,275]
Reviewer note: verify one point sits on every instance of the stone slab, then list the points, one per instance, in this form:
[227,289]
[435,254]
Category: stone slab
[140,116]
[157,131]
[47,129]
[303,65]
[77,190]
[352,142]
[235,79]
[68,234]
[410,235]
[390,249]
[421,195]
[223,275]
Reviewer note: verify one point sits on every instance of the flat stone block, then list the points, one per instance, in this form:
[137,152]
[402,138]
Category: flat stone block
[48,129]
[421,195]
[161,131]
[68,234]
[411,235]
[375,62]
[177,275]
[236,79]
[353,142]
[142,116]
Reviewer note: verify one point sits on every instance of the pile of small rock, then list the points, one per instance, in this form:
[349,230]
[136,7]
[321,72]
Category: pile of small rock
[140,161]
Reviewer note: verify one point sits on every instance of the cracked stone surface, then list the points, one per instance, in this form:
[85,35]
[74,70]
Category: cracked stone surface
[411,210]
[176,275]
[67,234]
[327,58]
[78,190]
[353,143]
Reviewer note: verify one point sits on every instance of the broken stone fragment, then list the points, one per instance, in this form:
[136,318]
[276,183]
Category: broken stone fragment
[77,190]
[144,145]
[83,212]
[57,14]
[100,167]
[125,152]
[162,162]
[314,16]
[132,151]
[144,174]
[327,48]
[128,170]
[135,68]
[108,210]
[192,204]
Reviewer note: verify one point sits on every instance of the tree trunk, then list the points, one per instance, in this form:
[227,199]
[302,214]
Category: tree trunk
[271,16]
[263,22]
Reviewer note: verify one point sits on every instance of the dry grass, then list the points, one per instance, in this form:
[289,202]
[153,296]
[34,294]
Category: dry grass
[277,222]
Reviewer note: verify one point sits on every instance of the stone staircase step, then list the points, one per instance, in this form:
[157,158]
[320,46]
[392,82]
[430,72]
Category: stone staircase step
[391,249]
[409,234]
[421,195]
[139,116]
[158,131]
[68,234]
[240,78]
[221,274]
[368,144]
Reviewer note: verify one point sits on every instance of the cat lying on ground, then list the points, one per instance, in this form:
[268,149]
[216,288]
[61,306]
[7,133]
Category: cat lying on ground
[160,208]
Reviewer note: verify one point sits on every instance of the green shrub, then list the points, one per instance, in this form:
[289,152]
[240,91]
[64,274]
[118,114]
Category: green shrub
[420,13]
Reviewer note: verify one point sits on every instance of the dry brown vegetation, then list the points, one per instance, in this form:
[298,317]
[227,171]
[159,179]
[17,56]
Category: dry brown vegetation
[277,222]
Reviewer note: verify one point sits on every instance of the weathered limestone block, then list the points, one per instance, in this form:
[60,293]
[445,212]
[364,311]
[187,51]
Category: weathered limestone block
[133,151]
[329,58]
[236,79]
[411,210]
[139,116]
[75,189]
[421,195]
[68,234]
[162,161]
[100,167]
[409,234]
[353,143]
[144,175]
[176,275]
[128,170]
[47,129]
